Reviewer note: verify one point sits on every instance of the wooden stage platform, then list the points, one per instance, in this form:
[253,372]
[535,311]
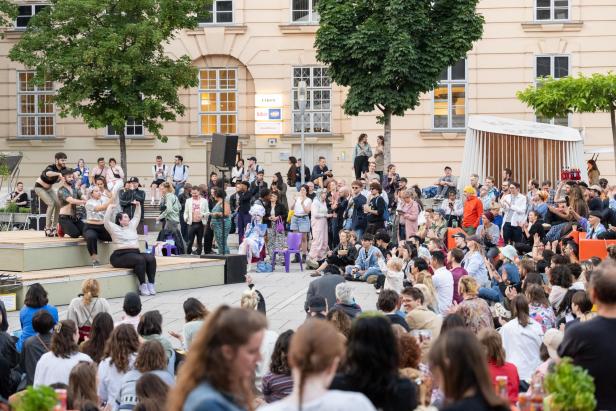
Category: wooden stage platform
[61,264]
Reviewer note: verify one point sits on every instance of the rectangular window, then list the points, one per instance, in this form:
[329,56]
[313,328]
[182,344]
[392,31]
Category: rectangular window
[318,113]
[219,12]
[551,10]
[304,11]
[35,107]
[218,101]
[133,128]
[25,13]
[556,67]
[450,98]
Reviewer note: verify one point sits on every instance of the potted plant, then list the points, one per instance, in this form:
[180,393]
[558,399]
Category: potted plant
[41,398]
[570,388]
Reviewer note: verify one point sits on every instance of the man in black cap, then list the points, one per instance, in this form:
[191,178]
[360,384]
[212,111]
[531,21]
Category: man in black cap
[252,169]
[460,239]
[317,307]
[131,194]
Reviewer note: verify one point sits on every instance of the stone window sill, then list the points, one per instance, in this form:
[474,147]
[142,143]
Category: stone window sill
[35,141]
[229,29]
[552,26]
[314,138]
[130,141]
[442,134]
[299,28]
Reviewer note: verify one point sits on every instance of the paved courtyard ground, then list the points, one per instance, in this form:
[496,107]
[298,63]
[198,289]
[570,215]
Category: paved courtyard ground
[284,295]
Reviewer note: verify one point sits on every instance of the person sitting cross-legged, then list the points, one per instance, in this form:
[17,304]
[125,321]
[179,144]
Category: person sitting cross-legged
[366,266]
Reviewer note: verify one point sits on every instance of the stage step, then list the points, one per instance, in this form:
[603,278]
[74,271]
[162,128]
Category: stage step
[173,273]
[30,251]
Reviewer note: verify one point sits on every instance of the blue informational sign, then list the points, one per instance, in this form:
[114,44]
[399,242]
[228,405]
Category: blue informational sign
[275,114]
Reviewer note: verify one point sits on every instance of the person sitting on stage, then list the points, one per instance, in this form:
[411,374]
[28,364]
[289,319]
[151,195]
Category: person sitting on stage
[95,229]
[126,243]
[19,196]
[70,198]
[44,190]
[255,232]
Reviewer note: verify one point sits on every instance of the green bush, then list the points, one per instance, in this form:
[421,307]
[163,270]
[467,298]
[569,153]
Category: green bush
[11,208]
[24,210]
[570,388]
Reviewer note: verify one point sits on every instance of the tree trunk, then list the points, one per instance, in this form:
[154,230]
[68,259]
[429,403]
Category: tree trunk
[387,135]
[123,153]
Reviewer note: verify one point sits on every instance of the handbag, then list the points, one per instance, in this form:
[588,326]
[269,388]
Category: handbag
[264,267]
[290,216]
[279,225]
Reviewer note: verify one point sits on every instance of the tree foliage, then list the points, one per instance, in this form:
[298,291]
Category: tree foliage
[582,94]
[108,60]
[389,52]
[8,12]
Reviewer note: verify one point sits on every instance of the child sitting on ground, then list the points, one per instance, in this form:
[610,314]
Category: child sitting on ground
[394,276]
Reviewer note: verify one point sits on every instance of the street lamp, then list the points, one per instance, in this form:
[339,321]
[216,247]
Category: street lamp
[302,93]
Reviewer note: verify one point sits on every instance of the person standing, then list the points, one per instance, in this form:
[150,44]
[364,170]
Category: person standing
[355,210]
[298,178]
[278,186]
[159,175]
[44,190]
[196,212]
[221,220]
[318,221]
[275,217]
[115,174]
[443,282]
[94,229]
[237,172]
[70,198]
[170,206]
[128,196]
[243,207]
[361,153]
[593,173]
[375,209]
[473,210]
[409,214]
[300,222]
[514,207]
[379,155]
[179,174]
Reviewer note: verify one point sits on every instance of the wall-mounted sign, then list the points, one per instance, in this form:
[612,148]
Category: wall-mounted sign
[268,114]
[268,100]
[268,127]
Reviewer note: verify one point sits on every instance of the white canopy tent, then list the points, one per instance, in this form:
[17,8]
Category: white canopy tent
[531,150]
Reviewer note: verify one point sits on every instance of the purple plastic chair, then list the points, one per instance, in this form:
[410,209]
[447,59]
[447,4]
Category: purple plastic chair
[294,243]
[171,249]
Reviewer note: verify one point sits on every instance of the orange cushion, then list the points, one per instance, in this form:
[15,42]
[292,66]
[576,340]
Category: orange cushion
[451,242]
[594,248]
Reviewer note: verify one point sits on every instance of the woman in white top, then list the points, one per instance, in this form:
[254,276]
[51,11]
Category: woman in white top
[237,172]
[300,222]
[522,338]
[83,309]
[114,175]
[94,229]
[120,353]
[55,366]
[314,355]
[318,222]
[126,243]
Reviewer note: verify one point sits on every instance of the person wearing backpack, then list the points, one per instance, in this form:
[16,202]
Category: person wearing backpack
[159,175]
[179,174]
[84,308]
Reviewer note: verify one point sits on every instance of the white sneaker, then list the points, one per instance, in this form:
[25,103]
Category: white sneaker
[143,289]
[151,288]
[152,202]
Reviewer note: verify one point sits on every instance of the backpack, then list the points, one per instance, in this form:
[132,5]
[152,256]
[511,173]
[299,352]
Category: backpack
[183,169]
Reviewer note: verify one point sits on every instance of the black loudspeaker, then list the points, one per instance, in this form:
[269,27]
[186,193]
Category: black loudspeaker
[224,151]
[235,267]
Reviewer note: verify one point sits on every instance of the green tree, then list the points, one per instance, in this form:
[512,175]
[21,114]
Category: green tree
[389,52]
[8,12]
[583,94]
[108,60]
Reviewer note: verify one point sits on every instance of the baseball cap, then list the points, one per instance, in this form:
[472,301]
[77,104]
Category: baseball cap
[133,180]
[595,188]
[459,235]
[317,304]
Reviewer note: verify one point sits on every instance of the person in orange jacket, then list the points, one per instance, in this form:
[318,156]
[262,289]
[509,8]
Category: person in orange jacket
[473,209]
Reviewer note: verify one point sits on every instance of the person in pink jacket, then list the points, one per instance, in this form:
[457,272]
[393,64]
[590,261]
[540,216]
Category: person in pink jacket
[409,213]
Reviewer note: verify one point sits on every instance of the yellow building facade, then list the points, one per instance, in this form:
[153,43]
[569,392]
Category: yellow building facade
[251,56]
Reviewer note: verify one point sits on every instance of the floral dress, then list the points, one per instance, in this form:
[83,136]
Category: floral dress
[543,315]
[220,235]
[476,312]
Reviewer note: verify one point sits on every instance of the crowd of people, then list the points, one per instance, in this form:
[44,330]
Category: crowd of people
[471,322]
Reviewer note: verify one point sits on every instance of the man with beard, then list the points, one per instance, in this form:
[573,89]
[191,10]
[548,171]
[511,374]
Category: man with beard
[69,198]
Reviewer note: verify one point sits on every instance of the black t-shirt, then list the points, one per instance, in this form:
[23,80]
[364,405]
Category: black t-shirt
[595,204]
[396,319]
[20,198]
[591,345]
[553,219]
[474,403]
[50,180]
[377,203]
[402,397]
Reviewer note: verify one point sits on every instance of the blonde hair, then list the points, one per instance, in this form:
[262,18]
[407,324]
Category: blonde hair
[249,300]
[167,186]
[468,285]
[90,288]
[395,264]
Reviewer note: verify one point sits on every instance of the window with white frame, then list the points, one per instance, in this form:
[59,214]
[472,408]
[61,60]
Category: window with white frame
[219,12]
[551,10]
[35,107]
[556,66]
[318,114]
[450,98]
[133,128]
[304,11]
[25,13]
[218,100]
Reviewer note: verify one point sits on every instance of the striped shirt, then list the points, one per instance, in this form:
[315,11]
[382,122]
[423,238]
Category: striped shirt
[276,386]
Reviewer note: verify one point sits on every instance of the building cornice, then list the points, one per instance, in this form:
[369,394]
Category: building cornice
[555,26]
[444,135]
[295,28]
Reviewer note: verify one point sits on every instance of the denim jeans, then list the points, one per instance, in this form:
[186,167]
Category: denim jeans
[491,293]
[370,272]
[360,233]
[178,188]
